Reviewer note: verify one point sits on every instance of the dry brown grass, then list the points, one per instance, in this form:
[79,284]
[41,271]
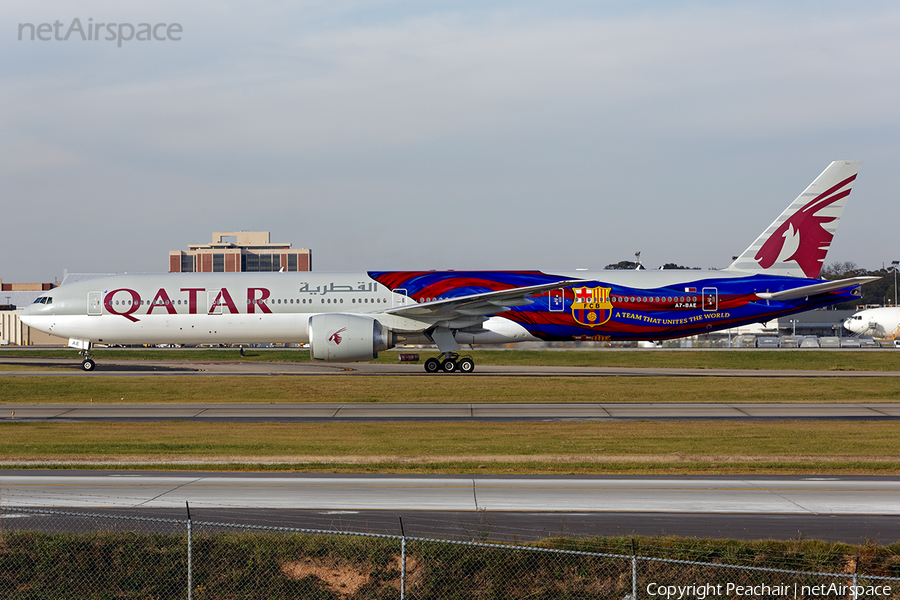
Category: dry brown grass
[457,389]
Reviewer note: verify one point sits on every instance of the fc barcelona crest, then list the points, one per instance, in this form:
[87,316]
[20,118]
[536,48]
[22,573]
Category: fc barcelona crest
[592,306]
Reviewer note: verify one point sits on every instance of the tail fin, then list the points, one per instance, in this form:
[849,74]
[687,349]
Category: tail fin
[797,242]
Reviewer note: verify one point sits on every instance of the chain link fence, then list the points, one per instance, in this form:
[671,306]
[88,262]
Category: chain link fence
[49,554]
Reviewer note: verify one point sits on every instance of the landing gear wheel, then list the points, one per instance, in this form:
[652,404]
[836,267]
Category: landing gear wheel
[466,365]
[449,366]
[432,365]
[88,364]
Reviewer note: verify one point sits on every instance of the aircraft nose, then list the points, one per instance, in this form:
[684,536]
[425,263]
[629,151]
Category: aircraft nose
[26,316]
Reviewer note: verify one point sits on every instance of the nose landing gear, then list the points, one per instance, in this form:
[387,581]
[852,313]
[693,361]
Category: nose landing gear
[88,363]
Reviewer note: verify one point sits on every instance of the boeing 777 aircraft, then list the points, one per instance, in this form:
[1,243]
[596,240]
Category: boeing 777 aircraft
[353,316]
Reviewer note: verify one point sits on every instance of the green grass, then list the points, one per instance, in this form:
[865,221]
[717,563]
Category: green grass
[525,448]
[818,360]
[449,389]
[238,564]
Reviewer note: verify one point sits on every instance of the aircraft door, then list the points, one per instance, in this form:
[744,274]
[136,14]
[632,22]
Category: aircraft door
[557,299]
[710,299]
[94,304]
[399,297]
[211,296]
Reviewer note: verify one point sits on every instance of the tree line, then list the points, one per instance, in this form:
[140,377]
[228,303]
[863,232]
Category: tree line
[629,265]
[881,291]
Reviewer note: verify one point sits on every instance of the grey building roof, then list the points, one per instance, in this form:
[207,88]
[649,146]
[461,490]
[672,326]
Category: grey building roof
[20,299]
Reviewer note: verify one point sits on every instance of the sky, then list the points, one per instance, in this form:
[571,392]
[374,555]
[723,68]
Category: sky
[395,135]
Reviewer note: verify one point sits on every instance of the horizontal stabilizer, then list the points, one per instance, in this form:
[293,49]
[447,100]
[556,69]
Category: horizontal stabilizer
[817,288]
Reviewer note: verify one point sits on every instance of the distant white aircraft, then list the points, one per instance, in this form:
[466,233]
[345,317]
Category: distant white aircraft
[353,316]
[877,322]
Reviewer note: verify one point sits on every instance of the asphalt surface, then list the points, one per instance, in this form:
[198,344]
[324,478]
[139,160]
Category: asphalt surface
[487,525]
[112,368]
[809,495]
[507,412]
[835,509]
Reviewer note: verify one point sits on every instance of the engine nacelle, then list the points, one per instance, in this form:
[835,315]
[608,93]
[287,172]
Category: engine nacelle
[343,337]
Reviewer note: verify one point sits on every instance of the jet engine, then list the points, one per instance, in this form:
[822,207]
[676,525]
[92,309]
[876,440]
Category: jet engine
[343,337]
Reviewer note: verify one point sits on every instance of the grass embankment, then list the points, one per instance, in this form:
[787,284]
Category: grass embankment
[524,448]
[439,389]
[126,565]
[818,360]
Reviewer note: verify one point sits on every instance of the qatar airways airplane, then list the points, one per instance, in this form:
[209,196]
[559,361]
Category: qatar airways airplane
[353,316]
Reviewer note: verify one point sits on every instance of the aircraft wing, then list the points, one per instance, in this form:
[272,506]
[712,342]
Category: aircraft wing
[816,288]
[475,306]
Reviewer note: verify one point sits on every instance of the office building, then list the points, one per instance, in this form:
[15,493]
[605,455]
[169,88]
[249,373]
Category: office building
[239,251]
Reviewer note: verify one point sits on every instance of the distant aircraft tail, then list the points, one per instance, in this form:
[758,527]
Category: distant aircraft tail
[796,243]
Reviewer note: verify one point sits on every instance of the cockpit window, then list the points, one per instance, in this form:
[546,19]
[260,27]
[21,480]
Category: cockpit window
[44,300]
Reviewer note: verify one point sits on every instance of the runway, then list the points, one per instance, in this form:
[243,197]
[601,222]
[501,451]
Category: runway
[487,412]
[839,509]
[838,495]
[38,367]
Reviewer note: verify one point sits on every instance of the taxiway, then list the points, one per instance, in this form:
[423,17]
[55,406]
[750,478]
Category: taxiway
[57,367]
[499,412]
[834,508]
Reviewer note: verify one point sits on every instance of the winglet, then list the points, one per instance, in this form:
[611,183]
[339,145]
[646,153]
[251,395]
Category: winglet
[796,243]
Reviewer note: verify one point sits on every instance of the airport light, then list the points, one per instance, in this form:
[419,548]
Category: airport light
[894,267]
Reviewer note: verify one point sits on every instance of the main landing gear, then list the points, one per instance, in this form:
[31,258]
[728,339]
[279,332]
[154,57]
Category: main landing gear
[450,362]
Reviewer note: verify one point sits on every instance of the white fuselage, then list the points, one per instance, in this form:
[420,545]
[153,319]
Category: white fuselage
[877,322]
[223,308]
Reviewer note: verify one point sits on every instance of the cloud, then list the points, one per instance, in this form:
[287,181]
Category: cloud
[33,156]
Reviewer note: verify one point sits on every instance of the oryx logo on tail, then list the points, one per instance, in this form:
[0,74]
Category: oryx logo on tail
[803,237]
[797,242]
[592,306]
